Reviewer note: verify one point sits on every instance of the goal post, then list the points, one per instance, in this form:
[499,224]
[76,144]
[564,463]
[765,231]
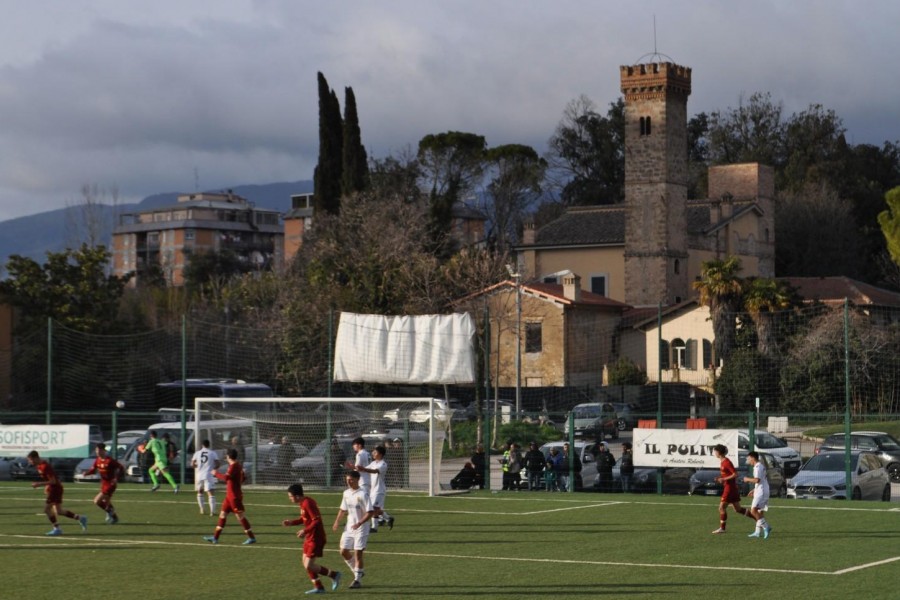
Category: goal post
[308,440]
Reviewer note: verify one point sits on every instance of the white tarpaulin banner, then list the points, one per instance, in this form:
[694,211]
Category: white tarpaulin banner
[72,441]
[402,349]
[682,447]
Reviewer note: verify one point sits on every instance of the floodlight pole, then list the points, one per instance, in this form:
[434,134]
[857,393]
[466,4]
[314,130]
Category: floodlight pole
[518,277]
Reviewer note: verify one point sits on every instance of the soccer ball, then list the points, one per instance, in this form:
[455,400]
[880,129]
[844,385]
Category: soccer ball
[120,404]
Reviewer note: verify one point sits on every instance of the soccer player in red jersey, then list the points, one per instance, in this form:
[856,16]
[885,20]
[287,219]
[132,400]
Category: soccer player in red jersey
[110,471]
[313,536]
[731,495]
[234,499]
[54,491]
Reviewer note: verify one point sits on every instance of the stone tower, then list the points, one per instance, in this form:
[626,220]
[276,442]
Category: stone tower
[656,265]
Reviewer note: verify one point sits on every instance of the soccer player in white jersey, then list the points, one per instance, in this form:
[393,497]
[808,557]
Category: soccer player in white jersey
[363,458]
[377,470]
[760,493]
[205,462]
[355,505]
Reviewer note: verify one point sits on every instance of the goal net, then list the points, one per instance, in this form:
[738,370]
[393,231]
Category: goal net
[309,440]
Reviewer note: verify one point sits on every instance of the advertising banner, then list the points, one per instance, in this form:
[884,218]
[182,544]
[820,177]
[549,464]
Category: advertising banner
[71,441]
[682,447]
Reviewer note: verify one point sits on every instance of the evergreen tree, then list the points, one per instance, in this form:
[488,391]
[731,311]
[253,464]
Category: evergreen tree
[355,169]
[327,176]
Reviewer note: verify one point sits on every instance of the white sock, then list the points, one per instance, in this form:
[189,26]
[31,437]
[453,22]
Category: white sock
[351,562]
[212,505]
[200,501]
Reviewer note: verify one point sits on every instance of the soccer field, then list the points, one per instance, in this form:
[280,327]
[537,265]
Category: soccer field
[506,545]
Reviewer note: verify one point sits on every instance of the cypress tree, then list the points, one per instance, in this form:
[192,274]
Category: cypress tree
[327,175]
[355,166]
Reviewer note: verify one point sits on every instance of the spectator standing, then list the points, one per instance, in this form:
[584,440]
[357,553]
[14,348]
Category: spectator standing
[284,456]
[534,466]
[605,463]
[626,466]
[555,470]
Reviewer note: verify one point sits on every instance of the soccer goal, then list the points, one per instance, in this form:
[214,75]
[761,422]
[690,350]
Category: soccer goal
[309,440]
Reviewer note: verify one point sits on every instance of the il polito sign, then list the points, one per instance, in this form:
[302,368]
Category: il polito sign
[72,441]
[682,447]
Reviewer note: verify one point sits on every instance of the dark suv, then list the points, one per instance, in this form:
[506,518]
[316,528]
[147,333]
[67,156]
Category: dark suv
[885,446]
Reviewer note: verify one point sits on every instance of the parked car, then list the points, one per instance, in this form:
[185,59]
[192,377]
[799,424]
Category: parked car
[594,419]
[626,415]
[788,458]
[883,444]
[419,413]
[824,476]
[703,483]
[21,470]
[676,480]
[5,463]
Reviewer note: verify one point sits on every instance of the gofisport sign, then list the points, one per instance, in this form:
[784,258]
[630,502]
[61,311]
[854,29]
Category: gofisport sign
[72,441]
[682,447]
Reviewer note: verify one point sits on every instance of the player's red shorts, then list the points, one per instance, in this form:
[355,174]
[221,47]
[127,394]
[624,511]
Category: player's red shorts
[731,494]
[108,488]
[314,545]
[233,505]
[54,494]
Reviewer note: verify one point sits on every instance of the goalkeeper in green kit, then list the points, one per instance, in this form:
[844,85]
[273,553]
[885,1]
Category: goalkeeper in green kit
[161,464]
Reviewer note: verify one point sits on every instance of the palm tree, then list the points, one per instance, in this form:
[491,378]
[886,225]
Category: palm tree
[764,297]
[720,289]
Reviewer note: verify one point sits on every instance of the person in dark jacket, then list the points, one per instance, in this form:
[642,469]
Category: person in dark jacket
[534,466]
[572,482]
[626,466]
[605,462]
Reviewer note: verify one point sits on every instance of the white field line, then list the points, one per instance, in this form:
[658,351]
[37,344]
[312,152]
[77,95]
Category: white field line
[83,542]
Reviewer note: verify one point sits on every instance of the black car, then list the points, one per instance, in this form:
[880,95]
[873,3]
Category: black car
[21,470]
[626,415]
[703,482]
[675,480]
[883,444]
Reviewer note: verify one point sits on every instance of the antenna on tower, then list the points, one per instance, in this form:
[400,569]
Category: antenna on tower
[655,56]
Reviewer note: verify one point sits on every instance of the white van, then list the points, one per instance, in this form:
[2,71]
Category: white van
[594,419]
[218,431]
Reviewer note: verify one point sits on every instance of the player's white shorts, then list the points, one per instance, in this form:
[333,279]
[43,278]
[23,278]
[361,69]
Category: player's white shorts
[760,501]
[377,500]
[355,540]
[205,485]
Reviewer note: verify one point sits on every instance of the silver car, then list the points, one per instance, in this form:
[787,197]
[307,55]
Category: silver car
[824,477]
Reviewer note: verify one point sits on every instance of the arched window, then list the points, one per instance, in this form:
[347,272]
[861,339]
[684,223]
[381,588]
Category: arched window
[648,126]
[663,354]
[677,266]
[645,125]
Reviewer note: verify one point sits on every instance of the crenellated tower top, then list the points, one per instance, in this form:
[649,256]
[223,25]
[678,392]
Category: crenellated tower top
[655,80]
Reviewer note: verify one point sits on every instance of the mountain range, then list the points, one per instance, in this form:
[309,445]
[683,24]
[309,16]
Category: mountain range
[52,231]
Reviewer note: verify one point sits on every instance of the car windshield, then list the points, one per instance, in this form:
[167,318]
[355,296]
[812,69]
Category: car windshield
[886,442]
[587,412]
[767,440]
[829,462]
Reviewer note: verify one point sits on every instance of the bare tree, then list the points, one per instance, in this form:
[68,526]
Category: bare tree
[90,218]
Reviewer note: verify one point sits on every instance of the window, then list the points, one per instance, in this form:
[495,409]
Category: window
[598,284]
[677,266]
[551,279]
[645,125]
[188,235]
[663,354]
[679,352]
[707,354]
[533,337]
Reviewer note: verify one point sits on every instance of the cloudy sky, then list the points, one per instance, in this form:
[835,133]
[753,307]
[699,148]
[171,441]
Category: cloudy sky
[175,95]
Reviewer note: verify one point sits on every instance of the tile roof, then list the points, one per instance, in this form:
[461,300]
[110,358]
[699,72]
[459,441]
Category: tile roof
[585,225]
[832,290]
